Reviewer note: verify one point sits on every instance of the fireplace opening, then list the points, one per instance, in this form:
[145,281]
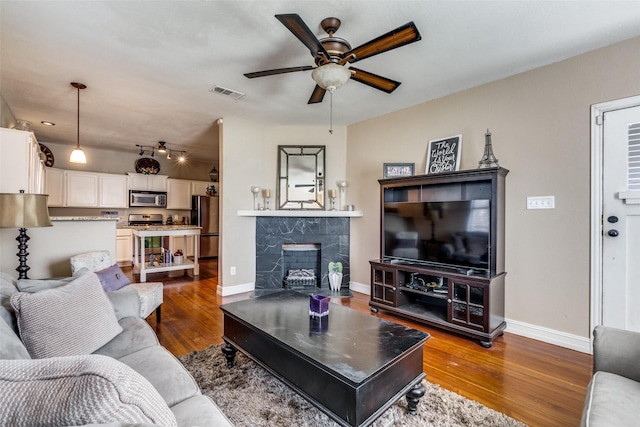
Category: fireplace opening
[301,264]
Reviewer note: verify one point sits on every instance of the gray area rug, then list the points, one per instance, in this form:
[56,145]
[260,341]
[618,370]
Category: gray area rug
[250,396]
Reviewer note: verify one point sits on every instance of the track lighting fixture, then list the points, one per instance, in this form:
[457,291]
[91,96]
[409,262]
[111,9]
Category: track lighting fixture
[162,148]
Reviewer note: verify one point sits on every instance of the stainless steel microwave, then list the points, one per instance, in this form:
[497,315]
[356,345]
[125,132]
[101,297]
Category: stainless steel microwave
[153,199]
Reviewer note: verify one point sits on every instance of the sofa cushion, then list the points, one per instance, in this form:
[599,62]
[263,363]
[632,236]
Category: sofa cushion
[7,288]
[199,411]
[77,390]
[37,285]
[112,278]
[164,372]
[612,401]
[10,345]
[69,320]
[136,335]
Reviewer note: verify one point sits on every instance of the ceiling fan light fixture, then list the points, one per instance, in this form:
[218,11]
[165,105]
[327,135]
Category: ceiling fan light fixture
[331,76]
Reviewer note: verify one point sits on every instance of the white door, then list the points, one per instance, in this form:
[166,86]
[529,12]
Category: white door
[621,218]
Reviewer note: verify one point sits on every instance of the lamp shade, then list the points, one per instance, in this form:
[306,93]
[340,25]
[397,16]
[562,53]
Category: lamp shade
[22,210]
[331,76]
[78,156]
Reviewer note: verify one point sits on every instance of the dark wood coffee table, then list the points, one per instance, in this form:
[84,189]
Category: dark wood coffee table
[350,365]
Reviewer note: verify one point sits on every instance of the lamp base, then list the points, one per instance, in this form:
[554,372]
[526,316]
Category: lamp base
[22,254]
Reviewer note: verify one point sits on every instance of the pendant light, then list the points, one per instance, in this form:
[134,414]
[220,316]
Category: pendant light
[77,155]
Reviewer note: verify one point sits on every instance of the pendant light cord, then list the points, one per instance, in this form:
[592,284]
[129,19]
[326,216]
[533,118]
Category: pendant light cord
[78,127]
[78,86]
[331,112]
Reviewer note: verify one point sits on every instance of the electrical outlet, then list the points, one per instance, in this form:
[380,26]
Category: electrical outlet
[541,202]
[232,270]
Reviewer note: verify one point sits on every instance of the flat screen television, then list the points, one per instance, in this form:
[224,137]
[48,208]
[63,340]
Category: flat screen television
[449,234]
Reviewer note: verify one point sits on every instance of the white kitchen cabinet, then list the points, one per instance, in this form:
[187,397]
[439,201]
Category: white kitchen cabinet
[113,190]
[95,190]
[178,194]
[21,167]
[177,242]
[81,189]
[124,245]
[54,187]
[139,181]
[199,188]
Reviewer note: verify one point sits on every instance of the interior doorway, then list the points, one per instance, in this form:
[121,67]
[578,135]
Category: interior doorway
[615,218]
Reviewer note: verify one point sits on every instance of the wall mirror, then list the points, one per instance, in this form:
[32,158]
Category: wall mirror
[301,177]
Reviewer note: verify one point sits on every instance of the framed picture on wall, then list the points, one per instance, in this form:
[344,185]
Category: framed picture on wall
[392,170]
[443,155]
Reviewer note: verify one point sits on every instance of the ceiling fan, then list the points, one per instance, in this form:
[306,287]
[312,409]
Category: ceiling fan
[332,54]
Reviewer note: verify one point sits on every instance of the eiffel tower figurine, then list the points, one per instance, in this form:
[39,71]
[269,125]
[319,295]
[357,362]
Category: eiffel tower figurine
[488,160]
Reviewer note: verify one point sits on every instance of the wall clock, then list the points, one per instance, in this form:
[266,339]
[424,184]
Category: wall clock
[48,155]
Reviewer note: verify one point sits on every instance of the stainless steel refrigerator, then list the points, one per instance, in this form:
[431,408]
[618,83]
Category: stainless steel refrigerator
[204,213]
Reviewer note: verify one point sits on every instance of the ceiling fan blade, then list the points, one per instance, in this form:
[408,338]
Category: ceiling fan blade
[405,34]
[317,95]
[278,71]
[296,25]
[382,83]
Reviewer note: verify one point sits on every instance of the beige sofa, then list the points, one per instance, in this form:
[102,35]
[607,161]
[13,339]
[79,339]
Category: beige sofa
[72,354]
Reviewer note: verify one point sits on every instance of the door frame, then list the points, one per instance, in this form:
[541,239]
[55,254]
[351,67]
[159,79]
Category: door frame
[596,222]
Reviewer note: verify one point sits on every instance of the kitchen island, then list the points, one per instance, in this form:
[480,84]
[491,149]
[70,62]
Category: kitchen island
[139,259]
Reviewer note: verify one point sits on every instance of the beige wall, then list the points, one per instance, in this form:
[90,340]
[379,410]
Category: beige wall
[249,157]
[7,119]
[540,121]
[50,248]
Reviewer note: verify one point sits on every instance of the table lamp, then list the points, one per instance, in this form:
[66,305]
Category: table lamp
[22,211]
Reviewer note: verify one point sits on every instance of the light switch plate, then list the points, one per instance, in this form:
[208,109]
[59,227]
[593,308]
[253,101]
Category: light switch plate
[541,202]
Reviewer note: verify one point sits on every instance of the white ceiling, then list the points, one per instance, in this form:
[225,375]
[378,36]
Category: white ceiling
[149,66]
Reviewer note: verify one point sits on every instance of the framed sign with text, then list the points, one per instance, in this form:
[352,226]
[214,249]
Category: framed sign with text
[392,170]
[443,155]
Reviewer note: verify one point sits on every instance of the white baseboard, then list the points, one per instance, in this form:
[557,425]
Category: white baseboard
[360,287]
[550,336]
[225,291]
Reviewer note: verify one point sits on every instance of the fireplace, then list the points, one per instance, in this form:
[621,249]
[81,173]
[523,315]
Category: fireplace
[300,243]
[301,263]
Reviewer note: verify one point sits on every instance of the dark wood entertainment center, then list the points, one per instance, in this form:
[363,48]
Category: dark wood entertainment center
[454,296]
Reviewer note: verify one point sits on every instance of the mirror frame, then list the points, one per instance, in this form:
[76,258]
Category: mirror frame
[288,177]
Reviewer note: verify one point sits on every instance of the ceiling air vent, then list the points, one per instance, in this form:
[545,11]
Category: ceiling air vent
[227,92]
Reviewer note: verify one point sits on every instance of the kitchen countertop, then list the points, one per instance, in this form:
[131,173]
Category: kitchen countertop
[82,218]
[159,227]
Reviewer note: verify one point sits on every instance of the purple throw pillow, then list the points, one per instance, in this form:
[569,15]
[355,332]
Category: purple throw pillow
[112,278]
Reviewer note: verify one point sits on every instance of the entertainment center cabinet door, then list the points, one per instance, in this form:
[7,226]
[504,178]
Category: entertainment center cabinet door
[469,305]
[384,288]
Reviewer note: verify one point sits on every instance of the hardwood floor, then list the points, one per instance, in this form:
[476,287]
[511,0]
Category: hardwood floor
[537,383]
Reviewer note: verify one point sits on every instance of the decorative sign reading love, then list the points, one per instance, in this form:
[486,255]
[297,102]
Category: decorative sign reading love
[443,155]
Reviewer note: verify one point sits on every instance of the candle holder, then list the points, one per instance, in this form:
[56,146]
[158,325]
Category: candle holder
[342,185]
[266,197]
[255,190]
[332,199]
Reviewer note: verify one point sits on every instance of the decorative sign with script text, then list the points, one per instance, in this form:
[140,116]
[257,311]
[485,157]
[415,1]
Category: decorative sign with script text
[443,155]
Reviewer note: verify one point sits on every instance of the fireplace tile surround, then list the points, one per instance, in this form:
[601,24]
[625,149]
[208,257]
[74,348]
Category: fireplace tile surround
[331,234]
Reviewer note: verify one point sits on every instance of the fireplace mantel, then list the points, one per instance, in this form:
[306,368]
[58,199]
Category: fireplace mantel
[303,214]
